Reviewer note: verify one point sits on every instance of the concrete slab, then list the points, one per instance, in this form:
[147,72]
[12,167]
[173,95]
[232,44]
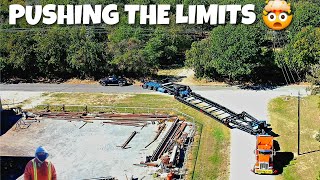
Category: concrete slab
[89,152]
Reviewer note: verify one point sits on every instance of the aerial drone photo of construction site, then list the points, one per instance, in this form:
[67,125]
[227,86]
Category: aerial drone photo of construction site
[174,133]
[160,90]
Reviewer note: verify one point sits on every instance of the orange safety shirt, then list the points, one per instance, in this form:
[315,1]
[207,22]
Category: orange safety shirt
[42,170]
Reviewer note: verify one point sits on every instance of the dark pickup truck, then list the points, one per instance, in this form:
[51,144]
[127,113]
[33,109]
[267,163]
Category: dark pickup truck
[113,80]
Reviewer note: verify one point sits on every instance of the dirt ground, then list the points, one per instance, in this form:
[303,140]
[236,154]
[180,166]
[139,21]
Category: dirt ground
[20,98]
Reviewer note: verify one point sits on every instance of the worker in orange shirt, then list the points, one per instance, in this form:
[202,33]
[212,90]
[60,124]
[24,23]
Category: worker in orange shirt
[39,168]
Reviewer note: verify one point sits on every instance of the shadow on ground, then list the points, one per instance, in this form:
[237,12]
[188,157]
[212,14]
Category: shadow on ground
[8,119]
[170,78]
[258,87]
[12,167]
[310,152]
[281,159]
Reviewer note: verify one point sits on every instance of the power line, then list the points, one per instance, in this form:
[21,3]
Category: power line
[275,45]
[283,43]
[293,66]
[101,30]
[279,41]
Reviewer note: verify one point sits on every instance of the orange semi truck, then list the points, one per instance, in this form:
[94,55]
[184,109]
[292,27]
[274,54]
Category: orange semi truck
[264,155]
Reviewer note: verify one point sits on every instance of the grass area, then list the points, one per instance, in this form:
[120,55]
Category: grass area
[283,114]
[81,81]
[186,76]
[170,72]
[213,153]
[96,99]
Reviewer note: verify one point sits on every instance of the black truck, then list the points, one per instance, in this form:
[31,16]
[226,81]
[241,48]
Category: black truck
[113,80]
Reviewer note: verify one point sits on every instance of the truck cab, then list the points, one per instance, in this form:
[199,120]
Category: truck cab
[264,155]
[182,90]
[152,85]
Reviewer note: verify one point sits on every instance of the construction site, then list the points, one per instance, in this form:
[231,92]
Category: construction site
[126,142]
[120,145]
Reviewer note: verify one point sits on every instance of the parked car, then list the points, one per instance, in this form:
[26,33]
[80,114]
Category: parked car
[113,80]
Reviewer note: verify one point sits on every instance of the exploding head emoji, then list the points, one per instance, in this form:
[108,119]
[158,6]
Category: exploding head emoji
[277,14]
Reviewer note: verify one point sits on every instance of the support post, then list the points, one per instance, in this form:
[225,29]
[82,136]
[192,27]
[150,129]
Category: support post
[298,123]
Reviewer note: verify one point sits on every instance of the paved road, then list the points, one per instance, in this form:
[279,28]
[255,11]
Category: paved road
[71,88]
[37,87]
[255,103]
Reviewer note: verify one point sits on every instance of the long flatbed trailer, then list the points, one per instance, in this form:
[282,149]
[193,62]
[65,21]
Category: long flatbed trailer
[242,121]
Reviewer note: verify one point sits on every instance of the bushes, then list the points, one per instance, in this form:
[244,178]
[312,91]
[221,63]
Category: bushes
[318,136]
[315,90]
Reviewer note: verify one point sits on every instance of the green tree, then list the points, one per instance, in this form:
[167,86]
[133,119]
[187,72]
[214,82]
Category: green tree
[234,51]
[313,75]
[302,52]
[167,46]
[199,57]
[50,48]
[19,54]
[306,13]
[128,58]
[85,54]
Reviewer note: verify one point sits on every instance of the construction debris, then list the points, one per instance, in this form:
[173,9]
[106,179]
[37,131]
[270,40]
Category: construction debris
[100,116]
[127,123]
[85,122]
[160,129]
[164,154]
[124,146]
[169,140]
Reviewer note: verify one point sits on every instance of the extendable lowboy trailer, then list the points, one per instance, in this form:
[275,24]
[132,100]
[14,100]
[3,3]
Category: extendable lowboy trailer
[242,121]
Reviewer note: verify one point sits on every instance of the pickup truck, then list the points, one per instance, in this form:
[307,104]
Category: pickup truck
[113,80]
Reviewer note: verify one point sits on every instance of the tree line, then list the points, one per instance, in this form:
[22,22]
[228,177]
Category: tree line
[230,52]
[255,53]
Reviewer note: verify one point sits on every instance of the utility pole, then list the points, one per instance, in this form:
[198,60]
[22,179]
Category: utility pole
[299,123]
